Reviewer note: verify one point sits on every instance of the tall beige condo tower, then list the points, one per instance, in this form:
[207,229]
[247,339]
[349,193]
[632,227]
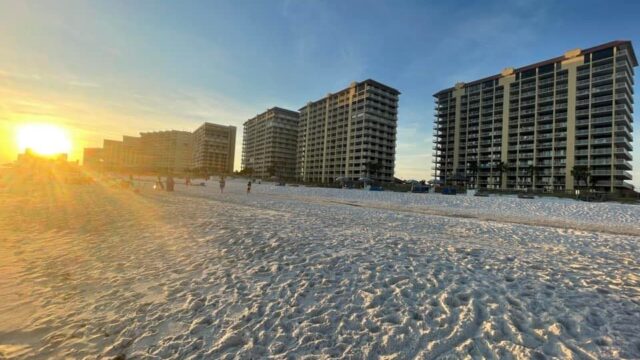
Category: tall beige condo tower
[270,142]
[350,134]
[540,121]
[214,148]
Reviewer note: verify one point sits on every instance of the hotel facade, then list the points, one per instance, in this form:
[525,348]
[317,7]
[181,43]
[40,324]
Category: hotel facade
[528,128]
[214,149]
[269,143]
[350,134]
[208,150]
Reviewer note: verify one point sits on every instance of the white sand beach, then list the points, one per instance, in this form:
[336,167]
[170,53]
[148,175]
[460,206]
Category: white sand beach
[285,273]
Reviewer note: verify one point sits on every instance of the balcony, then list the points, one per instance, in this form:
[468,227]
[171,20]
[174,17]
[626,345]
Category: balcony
[608,172]
[546,91]
[600,89]
[623,74]
[602,78]
[595,121]
[602,67]
[583,72]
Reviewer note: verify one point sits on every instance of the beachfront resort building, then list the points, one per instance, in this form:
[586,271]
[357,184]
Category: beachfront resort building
[214,149]
[126,155]
[528,128]
[167,151]
[209,149]
[350,134]
[92,158]
[270,143]
[159,152]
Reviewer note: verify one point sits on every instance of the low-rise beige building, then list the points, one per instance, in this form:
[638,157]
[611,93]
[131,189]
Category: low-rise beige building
[167,151]
[126,155]
[210,149]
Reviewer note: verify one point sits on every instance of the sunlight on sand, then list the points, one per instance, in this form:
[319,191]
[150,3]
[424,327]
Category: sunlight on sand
[100,271]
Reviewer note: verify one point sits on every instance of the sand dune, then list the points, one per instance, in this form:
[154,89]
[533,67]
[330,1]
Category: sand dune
[295,272]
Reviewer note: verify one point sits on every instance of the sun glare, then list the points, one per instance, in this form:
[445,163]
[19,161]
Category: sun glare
[43,139]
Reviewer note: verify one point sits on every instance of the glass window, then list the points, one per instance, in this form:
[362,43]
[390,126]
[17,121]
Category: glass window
[602,54]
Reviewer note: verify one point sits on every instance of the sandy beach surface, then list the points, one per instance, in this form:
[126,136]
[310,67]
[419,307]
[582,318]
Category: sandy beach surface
[293,272]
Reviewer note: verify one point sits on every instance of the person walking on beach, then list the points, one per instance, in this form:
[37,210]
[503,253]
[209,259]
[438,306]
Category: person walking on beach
[170,183]
[222,184]
[249,187]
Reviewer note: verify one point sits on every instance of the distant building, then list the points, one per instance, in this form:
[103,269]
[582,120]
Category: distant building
[160,152]
[527,128]
[92,158]
[214,149]
[127,155]
[210,148]
[30,155]
[166,151]
[270,143]
[350,134]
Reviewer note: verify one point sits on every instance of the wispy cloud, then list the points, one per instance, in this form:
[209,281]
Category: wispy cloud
[83,84]
[19,76]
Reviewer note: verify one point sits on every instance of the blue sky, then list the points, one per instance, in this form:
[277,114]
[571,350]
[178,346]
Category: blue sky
[107,68]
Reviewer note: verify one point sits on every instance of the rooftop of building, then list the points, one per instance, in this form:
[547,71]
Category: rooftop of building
[279,109]
[380,85]
[610,44]
[274,109]
[212,125]
[165,132]
[355,83]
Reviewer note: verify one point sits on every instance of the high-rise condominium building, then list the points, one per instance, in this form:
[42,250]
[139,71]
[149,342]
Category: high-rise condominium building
[214,148]
[350,134]
[269,143]
[528,128]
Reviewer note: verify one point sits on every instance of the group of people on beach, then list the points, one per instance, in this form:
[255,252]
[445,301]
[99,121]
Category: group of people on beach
[170,183]
[222,184]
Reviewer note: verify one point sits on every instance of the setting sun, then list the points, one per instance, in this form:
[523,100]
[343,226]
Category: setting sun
[43,139]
